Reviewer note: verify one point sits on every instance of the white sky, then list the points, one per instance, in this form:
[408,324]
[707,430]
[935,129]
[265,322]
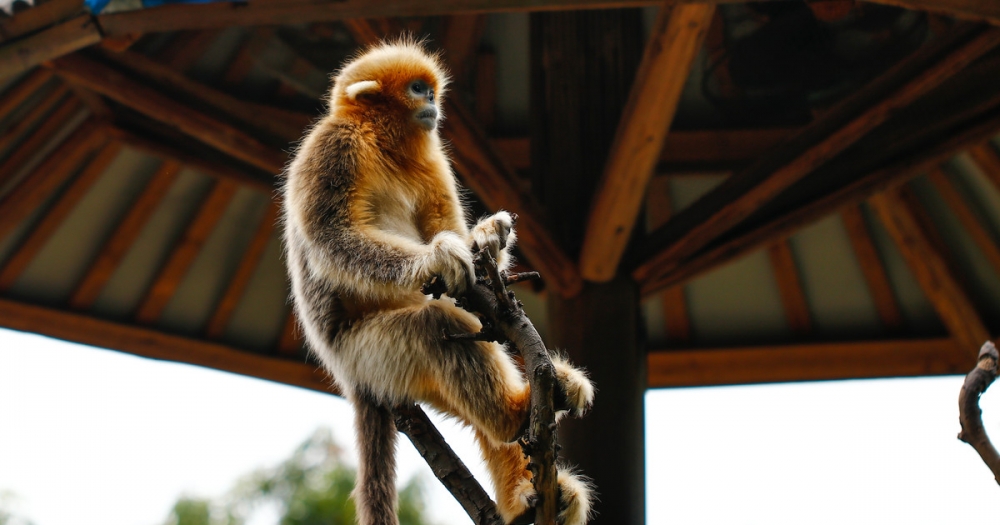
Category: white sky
[97,437]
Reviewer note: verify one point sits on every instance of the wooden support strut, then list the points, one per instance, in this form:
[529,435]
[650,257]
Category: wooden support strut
[666,64]
[56,41]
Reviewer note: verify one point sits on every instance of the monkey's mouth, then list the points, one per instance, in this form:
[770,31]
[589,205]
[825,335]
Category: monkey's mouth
[427,117]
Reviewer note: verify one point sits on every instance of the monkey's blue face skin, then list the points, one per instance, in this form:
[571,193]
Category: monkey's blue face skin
[427,113]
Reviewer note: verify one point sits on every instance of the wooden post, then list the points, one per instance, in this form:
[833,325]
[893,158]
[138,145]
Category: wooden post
[583,64]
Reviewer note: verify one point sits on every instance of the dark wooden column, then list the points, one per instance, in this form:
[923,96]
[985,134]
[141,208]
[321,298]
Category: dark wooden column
[583,64]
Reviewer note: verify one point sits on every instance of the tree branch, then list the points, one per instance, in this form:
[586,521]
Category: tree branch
[969,413]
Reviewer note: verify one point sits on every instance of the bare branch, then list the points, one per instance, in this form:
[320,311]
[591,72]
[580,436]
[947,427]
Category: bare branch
[969,413]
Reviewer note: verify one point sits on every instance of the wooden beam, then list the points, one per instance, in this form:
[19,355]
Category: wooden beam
[27,149]
[676,317]
[118,244]
[149,343]
[953,306]
[666,64]
[907,165]
[185,49]
[872,268]
[971,224]
[32,190]
[12,97]
[185,251]
[166,152]
[223,136]
[38,17]
[22,55]
[287,125]
[744,193]
[724,147]
[807,362]
[28,121]
[484,90]
[986,158]
[793,298]
[12,269]
[241,279]
[460,43]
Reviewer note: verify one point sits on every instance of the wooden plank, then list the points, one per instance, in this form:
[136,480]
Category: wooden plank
[187,48]
[29,120]
[241,279]
[666,64]
[676,317]
[741,195]
[149,343]
[953,306]
[38,185]
[214,169]
[22,55]
[28,148]
[291,340]
[793,298]
[873,269]
[905,166]
[14,96]
[223,136]
[986,158]
[460,43]
[118,244]
[12,269]
[807,362]
[970,223]
[185,251]
[38,17]
[278,122]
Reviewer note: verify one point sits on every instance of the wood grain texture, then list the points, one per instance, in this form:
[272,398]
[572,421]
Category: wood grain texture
[241,279]
[223,136]
[150,343]
[793,298]
[32,190]
[807,362]
[872,268]
[842,126]
[120,241]
[931,270]
[22,55]
[12,269]
[184,252]
[666,64]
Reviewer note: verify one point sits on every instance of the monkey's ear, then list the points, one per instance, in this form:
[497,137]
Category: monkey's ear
[362,88]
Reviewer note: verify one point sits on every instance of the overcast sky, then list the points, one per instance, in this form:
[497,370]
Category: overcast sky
[92,436]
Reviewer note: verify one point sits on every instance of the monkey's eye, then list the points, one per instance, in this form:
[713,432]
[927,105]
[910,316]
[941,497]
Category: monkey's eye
[419,87]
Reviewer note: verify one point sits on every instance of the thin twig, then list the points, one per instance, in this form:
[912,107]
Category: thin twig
[971,416]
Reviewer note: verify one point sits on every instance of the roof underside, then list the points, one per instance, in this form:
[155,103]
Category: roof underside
[820,214]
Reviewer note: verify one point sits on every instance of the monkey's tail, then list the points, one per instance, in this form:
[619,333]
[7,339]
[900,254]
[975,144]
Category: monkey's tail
[375,489]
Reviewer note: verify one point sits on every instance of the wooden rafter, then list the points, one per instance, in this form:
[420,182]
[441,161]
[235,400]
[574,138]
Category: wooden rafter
[38,17]
[970,223]
[182,256]
[241,279]
[807,362]
[460,43]
[924,154]
[185,49]
[872,268]
[28,121]
[118,244]
[54,217]
[931,270]
[793,298]
[675,310]
[985,156]
[666,64]
[223,136]
[150,343]
[46,178]
[13,96]
[27,149]
[56,41]
[744,193]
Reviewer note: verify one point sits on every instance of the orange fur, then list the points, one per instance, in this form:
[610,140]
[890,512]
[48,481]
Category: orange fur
[372,212]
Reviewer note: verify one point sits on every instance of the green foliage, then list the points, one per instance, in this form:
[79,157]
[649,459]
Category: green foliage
[312,487]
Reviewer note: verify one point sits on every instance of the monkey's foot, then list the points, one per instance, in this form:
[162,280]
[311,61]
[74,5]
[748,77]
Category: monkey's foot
[576,389]
[575,494]
[495,234]
[518,505]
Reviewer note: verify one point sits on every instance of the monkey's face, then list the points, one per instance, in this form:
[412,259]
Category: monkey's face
[426,112]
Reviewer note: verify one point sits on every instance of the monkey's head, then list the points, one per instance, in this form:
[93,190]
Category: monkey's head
[396,79]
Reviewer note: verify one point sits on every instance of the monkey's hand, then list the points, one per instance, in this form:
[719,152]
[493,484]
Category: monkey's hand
[495,234]
[451,260]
